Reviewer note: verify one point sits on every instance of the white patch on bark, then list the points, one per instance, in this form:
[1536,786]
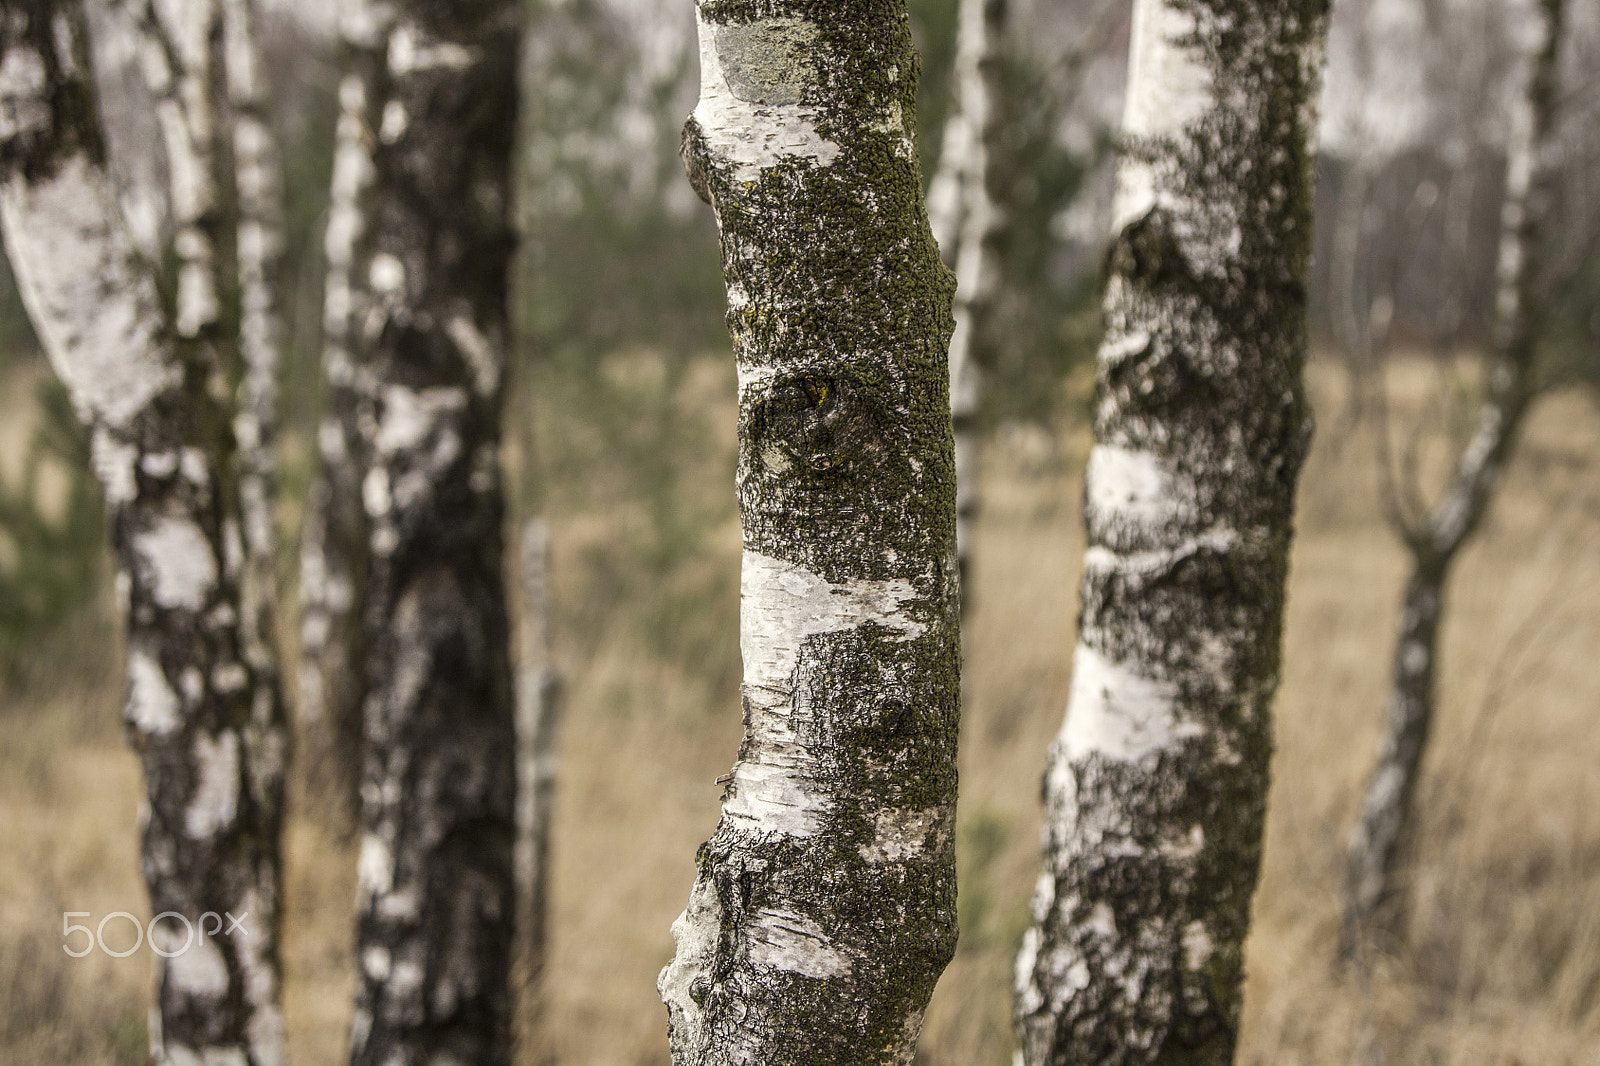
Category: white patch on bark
[386,275]
[784,940]
[751,76]
[96,315]
[409,416]
[477,351]
[375,867]
[1141,563]
[695,934]
[1134,488]
[395,120]
[200,971]
[1169,86]
[1117,713]
[113,463]
[153,707]
[411,51]
[782,604]
[178,562]
[23,107]
[215,802]
[375,962]
[375,492]
[1196,945]
[905,833]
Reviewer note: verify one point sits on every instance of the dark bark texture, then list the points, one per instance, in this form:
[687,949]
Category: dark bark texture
[1533,155]
[1157,784]
[428,334]
[204,719]
[824,907]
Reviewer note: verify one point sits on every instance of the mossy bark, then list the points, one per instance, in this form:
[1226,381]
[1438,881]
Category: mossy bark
[824,907]
[1532,169]
[1156,786]
[428,336]
[147,379]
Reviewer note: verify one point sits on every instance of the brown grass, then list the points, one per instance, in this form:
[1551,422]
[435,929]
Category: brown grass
[1500,964]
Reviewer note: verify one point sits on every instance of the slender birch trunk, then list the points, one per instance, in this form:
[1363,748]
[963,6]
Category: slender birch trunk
[968,222]
[1532,158]
[258,243]
[1157,783]
[428,332]
[198,712]
[538,718]
[333,541]
[824,907]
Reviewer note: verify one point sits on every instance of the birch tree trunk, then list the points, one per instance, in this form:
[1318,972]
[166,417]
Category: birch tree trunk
[205,722]
[1157,783]
[1532,159]
[824,907]
[968,222]
[538,718]
[435,925]
[333,541]
[258,243]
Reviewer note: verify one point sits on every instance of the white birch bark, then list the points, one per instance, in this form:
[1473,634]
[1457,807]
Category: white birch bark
[258,240]
[1532,158]
[824,907]
[198,712]
[1156,785]
[427,337]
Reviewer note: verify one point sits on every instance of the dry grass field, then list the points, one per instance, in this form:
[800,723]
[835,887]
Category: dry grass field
[1499,965]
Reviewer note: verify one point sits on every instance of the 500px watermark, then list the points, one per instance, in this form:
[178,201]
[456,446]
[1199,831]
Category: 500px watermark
[164,940]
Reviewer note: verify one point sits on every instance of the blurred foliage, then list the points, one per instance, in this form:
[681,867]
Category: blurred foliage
[616,250]
[51,531]
[1572,349]
[622,358]
[933,27]
[17,341]
[1048,318]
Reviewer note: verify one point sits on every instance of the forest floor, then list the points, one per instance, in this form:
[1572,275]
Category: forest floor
[1499,964]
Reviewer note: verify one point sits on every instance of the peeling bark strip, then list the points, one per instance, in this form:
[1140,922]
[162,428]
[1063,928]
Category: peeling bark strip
[1157,783]
[428,333]
[1532,168]
[198,712]
[824,908]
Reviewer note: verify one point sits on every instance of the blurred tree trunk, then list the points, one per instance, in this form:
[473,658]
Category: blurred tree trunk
[427,336]
[1157,782]
[1532,162]
[258,242]
[824,907]
[538,718]
[968,222]
[333,541]
[206,721]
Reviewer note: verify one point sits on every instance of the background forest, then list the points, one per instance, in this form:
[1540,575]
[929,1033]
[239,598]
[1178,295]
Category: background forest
[620,433]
